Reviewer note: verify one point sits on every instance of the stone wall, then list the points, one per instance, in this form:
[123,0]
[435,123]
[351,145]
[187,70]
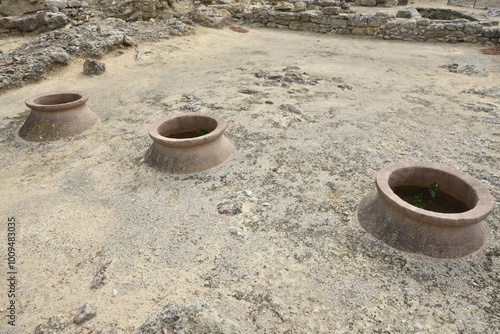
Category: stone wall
[422,29]
[336,17]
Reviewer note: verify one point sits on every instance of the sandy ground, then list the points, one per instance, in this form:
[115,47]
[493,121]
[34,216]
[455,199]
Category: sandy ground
[294,260]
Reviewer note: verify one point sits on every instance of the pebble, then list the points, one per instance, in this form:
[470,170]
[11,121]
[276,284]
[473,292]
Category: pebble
[93,67]
[86,312]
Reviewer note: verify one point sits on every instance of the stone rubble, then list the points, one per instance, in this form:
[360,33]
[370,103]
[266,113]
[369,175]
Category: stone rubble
[196,318]
[30,61]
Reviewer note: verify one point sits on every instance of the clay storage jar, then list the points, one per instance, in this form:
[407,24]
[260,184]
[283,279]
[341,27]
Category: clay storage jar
[188,143]
[456,231]
[57,115]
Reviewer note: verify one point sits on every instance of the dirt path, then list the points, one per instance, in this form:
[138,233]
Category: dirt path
[294,260]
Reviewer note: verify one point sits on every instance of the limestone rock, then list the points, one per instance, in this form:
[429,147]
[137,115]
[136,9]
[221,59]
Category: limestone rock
[300,6]
[20,7]
[29,23]
[331,10]
[197,318]
[110,330]
[55,20]
[129,41]
[367,2]
[229,208]
[284,7]
[93,67]
[86,312]
[59,4]
[408,13]
[58,56]
[212,17]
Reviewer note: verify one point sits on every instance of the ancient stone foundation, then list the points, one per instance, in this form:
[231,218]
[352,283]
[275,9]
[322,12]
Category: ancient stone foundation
[325,16]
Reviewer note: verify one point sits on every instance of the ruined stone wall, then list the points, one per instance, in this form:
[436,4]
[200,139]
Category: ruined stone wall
[337,18]
[422,29]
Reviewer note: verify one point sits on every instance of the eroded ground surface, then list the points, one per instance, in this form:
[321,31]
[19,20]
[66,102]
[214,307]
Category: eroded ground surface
[310,132]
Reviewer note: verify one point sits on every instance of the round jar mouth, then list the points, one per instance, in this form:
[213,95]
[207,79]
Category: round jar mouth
[57,101]
[463,187]
[187,129]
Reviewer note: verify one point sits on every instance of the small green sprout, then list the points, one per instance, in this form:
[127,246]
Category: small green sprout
[201,131]
[418,200]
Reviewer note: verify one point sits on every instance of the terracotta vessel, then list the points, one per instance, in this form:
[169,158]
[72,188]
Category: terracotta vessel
[188,143]
[57,115]
[402,225]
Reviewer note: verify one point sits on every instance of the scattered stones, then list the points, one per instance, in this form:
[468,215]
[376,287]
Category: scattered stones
[93,67]
[53,325]
[482,107]
[86,312]
[230,208]
[100,277]
[249,91]
[110,330]
[261,74]
[196,318]
[492,91]
[344,87]
[191,107]
[491,12]
[291,76]
[237,232]
[290,108]
[471,70]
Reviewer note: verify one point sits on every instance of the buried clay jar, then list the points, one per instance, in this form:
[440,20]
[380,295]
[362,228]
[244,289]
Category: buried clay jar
[188,143]
[57,115]
[457,231]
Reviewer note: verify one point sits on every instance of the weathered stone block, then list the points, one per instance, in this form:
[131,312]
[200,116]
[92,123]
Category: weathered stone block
[284,6]
[331,10]
[473,28]
[55,20]
[320,19]
[300,6]
[423,22]
[369,3]
[59,4]
[408,13]
[294,25]
[358,20]
[20,7]
[454,26]
[378,19]
[338,23]
[491,32]
[358,31]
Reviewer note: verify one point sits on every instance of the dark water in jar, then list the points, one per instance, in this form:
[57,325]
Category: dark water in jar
[443,202]
[187,134]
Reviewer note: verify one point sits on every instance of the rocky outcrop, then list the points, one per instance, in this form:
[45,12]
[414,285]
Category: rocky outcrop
[20,7]
[211,17]
[132,10]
